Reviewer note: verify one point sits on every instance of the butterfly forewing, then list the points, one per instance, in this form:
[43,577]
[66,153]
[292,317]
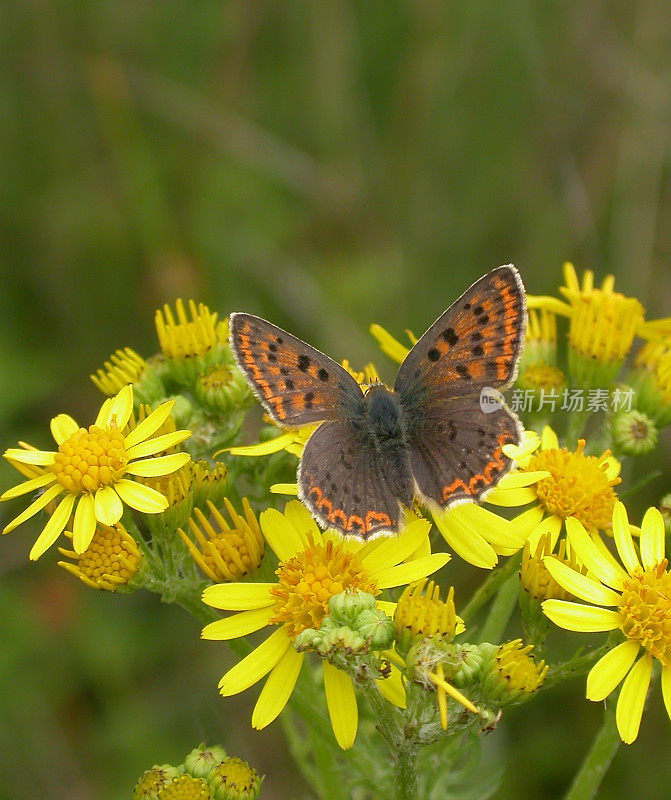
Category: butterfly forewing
[341,481]
[475,343]
[456,450]
[296,383]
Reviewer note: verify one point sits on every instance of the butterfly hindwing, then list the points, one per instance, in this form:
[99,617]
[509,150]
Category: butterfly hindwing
[341,481]
[475,343]
[295,383]
[456,449]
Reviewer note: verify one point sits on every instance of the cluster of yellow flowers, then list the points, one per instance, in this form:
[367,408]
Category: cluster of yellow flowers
[331,595]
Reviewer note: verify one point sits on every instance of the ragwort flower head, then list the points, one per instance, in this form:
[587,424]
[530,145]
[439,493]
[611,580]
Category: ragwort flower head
[93,471]
[313,567]
[568,485]
[637,596]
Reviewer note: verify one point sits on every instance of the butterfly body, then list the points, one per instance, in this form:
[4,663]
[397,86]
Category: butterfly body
[429,437]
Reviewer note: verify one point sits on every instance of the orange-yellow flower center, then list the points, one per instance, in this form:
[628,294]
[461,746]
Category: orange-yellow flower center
[309,580]
[578,485]
[90,459]
[646,607]
[111,559]
[542,376]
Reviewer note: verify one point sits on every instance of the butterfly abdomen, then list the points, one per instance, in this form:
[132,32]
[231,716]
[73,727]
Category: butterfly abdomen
[385,423]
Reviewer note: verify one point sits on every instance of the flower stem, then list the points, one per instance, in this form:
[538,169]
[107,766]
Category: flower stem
[406,772]
[490,587]
[588,779]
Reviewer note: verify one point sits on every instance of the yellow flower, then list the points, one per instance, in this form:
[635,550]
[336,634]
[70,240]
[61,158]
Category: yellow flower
[567,485]
[228,553]
[313,567]
[92,468]
[124,367]
[183,338]
[110,560]
[637,594]
[625,314]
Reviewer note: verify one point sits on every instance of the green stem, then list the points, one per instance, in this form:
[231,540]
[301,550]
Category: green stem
[586,783]
[501,611]
[405,759]
[490,587]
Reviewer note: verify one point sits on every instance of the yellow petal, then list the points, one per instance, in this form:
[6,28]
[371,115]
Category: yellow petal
[54,527]
[239,596]
[39,458]
[496,530]
[107,506]
[520,453]
[392,689]
[550,527]
[471,547]
[511,498]
[549,439]
[62,428]
[257,664]
[37,505]
[239,624]
[550,303]
[576,617]
[84,523]
[386,606]
[284,488]
[117,409]
[411,571]
[283,538]
[666,688]
[141,498]
[301,519]
[277,689]
[609,670]
[632,699]
[29,486]
[581,586]
[149,425]
[623,539]
[163,465]
[570,278]
[528,520]
[158,443]
[517,480]
[392,550]
[264,448]
[390,346]
[652,538]
[341,704]
[606,570]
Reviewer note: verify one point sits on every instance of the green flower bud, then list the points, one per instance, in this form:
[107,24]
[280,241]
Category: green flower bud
[634,433]
[200,761]
[153,780]
[223,388]
[234,779]
[186,787]
[346,606]
[376,628]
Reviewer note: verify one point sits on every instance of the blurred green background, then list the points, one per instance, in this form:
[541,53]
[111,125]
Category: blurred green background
[327,165]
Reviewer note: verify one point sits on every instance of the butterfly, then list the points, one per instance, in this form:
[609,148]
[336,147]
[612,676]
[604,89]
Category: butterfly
[432,438]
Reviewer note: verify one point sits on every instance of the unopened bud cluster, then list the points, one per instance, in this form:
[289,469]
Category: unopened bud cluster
[352,627]
[206,774]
